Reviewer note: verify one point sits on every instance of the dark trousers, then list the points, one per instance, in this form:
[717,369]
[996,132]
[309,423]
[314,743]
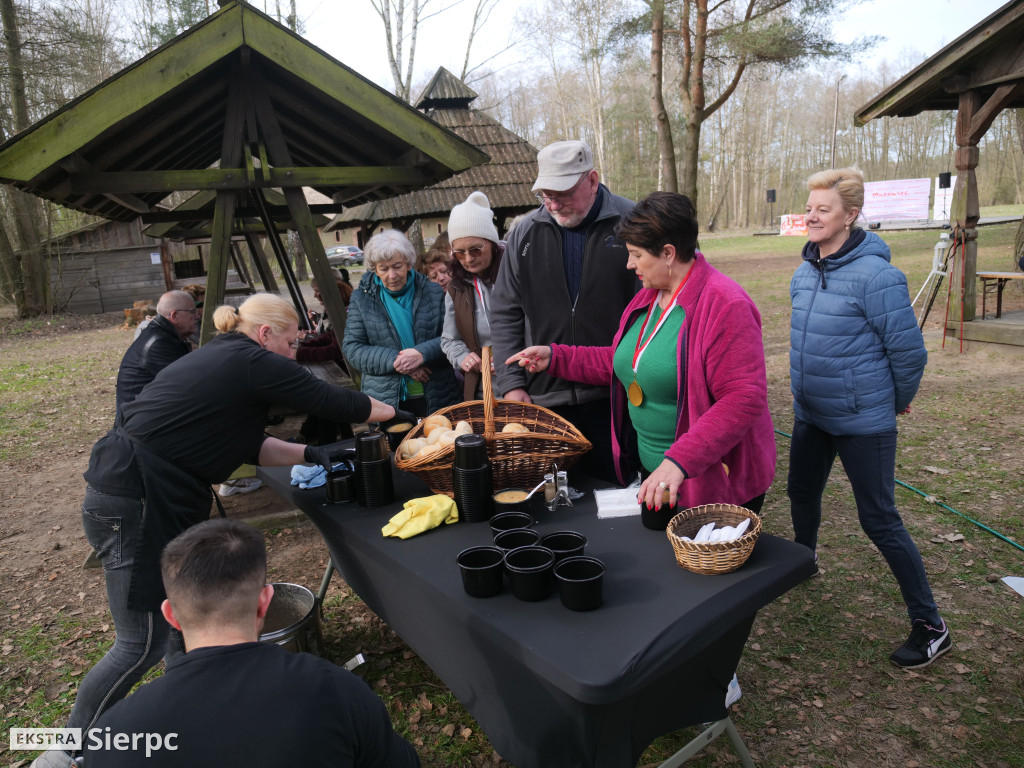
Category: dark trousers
[594,420]
[870,464]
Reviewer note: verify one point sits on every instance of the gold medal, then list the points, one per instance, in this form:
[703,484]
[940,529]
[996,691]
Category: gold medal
[635,394]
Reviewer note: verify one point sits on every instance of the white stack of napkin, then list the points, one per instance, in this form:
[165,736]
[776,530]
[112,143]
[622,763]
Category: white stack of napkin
[708,534]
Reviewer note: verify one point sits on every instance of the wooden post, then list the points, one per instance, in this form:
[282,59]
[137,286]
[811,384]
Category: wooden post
[964,212]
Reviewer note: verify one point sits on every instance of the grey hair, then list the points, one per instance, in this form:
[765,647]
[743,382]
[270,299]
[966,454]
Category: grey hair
[387,246]
[174,300]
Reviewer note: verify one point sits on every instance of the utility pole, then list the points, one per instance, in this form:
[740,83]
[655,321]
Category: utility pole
[835,122]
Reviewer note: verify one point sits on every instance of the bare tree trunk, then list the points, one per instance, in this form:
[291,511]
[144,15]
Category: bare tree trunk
[30,278]
[667,177]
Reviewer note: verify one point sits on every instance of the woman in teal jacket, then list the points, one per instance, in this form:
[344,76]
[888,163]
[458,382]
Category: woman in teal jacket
[856,360]
[393,330]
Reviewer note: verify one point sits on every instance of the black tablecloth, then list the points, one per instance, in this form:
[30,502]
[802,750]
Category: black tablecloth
[549,686]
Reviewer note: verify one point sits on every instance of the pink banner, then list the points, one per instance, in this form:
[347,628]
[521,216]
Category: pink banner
[900,199]
[793,224]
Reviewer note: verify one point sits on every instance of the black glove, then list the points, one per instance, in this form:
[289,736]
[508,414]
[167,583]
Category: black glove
[325,455]
[400,417]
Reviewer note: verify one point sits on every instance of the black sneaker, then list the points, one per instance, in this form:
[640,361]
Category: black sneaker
[925,644]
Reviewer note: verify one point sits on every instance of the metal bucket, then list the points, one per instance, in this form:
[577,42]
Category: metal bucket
[293,620]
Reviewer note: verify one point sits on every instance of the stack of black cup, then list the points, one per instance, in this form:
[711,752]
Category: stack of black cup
[374,486]
[472,480]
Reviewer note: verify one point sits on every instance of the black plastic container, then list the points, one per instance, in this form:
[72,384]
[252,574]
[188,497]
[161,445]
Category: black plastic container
[483,570]
[341,486]
[657,519]
[473,490]
[470,452]
[374,484]
[515,538]
[565,544]
[507,521]
[371,446]
[396,433]
[580,582]
[530,572]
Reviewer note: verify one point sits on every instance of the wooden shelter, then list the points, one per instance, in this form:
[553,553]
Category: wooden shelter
[507,179]
[235,105]
[979,74]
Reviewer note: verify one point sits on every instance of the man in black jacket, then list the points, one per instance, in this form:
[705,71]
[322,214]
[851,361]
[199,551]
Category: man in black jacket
[231,700]
[564,280]
[161,342]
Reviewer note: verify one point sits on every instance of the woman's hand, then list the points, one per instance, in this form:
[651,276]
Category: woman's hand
[667,476]
[421,374]
[533,359]
[408,360]
[471,362]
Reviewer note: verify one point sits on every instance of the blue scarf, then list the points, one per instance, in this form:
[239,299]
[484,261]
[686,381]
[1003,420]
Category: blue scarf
[399,308]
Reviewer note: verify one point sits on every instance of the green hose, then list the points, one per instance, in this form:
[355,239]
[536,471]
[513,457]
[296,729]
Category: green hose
[932,500]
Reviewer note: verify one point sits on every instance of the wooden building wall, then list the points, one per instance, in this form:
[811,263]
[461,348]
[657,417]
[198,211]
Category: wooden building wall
[108,267]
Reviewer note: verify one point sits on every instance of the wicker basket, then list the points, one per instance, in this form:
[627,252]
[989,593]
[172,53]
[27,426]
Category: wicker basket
[720,557]
[518,459]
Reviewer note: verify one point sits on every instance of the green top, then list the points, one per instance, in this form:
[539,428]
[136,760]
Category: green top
[655,418]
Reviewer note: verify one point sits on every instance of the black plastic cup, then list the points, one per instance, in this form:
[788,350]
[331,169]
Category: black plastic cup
[374,484]
[483,569]
[515,538]
[657,519]
[472,491]
[470,452]
[396,433]
[371,446]
[341,486]
[530,572]
[580,582]
[506,500]
[565,544]
[507,521]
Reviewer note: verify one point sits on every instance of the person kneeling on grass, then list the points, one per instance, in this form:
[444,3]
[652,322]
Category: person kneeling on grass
[231,700]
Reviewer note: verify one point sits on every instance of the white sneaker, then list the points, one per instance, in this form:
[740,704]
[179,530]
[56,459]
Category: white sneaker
[733,692]
[241,485]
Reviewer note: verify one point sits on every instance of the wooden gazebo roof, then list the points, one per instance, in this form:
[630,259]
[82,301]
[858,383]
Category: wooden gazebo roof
[506,180]
[987,58]
[979,74]
[236,104]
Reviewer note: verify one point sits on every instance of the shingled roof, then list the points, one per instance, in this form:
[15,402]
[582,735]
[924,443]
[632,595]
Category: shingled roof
[506,180]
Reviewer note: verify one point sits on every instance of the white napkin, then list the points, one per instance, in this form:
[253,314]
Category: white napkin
[708,534]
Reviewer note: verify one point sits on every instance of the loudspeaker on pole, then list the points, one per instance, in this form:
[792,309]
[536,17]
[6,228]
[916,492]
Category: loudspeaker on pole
[771,194]
[944,179]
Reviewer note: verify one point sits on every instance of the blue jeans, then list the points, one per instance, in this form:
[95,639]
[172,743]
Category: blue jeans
[870,464]
[112,526]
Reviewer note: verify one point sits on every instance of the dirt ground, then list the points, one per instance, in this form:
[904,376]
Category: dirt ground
[42,546]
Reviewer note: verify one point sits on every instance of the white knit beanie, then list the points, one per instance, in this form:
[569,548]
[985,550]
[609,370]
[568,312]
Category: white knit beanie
[472,218]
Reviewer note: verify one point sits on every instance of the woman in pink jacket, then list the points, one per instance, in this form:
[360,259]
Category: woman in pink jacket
[689,393]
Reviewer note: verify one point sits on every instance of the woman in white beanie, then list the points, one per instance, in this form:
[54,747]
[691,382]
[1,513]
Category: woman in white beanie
[477,252]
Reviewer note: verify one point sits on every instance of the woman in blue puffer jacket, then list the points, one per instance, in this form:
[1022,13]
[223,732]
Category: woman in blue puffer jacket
[856,361]
[393,330]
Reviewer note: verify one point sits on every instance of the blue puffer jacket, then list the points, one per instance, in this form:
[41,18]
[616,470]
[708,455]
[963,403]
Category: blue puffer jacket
[372,343]
[856,354]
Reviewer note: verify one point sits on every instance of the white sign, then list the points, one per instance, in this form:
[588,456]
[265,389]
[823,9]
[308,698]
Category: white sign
[943,200]
[154,257]
[793,224]
[900,199]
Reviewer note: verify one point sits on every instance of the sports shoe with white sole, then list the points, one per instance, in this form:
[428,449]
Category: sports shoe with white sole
[733,692]
[241,485]
[925,644]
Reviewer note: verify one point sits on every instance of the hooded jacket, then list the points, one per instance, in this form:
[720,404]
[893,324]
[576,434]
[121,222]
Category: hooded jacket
[530,303]
[722,417]
[371,342]
[856,354]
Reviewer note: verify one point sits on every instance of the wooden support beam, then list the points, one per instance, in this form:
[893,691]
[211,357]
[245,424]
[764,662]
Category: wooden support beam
[259,258]
[236,178]
[277,212]
[987,113]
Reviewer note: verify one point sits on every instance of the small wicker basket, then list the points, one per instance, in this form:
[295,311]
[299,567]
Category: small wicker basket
[720,557]
[518,459]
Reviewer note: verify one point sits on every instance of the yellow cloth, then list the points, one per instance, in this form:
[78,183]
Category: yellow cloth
[419,515]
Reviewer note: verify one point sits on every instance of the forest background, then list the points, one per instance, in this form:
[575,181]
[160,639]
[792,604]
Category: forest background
[720,100]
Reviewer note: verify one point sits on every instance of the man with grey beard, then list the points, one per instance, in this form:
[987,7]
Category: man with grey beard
[564,280]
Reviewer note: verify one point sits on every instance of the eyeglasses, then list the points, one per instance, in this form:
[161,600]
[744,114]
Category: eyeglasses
[474,253]
[190,311]
[559,197]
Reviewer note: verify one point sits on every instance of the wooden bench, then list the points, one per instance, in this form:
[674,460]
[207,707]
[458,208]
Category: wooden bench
[996,281]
